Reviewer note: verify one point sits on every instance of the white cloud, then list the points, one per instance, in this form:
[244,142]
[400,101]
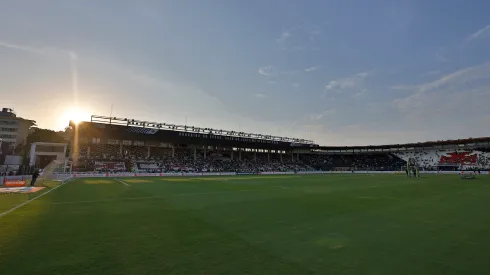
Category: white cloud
[312,69]
[347,83]
[40,50]
[299,38]
[285,35]
[360,94]
[459,77]
[268,71]
[273,71]
[363,74]
[259,95]
[323,114]
[460,92]
[24,48]
[483,32]
[332,85]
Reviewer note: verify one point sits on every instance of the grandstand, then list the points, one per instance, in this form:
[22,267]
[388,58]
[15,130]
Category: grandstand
[114,144]
[110,144]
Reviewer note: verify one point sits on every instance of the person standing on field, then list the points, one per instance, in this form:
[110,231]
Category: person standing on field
[35,175]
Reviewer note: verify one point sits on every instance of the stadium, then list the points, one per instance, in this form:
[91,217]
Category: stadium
[110,144]
[244,137]
[125,196]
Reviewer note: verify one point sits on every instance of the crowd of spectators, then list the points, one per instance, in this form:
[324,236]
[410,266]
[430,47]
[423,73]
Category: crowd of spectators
[365,162]
[449,160]
[137,158]
[9,173]
[185,162]
[157,159]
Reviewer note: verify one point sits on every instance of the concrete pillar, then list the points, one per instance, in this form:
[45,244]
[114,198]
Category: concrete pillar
[173,151]
[148,156]
[88,152]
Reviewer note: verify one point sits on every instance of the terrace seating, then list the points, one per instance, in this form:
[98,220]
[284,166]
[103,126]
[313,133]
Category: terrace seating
[433,159]
[161,159]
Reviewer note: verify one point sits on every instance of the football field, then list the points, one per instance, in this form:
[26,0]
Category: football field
[278,224]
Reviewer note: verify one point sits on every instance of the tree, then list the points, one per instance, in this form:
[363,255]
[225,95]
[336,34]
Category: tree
[44,135]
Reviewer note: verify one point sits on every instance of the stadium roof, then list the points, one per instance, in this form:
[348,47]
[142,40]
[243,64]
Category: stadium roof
[412,145]
[194,129]
[200,130]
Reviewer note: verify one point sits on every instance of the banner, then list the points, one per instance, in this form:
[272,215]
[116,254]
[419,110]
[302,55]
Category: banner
[211,174]
[310,172]
[265,173]
[21,190]
[228,174]
[14,181]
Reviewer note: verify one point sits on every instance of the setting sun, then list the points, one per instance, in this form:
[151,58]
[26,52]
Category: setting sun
[76,115]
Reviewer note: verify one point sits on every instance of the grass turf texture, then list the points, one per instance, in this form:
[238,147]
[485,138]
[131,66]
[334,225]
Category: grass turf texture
[317,224]
[7,201]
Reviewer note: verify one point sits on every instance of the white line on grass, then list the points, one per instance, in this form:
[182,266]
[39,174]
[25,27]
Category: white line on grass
[120,181]
[33,199]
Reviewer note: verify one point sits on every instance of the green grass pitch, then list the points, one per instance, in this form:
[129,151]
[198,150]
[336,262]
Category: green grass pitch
[315,224]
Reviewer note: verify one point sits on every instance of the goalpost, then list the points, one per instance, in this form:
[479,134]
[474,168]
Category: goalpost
[48,173]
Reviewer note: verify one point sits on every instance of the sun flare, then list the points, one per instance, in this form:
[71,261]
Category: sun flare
[76,115]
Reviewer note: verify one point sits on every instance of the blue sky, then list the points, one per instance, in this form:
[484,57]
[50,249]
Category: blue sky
[339,72]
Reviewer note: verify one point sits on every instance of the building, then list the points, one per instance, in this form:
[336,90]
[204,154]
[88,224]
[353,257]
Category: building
[13,129]
[42,153]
